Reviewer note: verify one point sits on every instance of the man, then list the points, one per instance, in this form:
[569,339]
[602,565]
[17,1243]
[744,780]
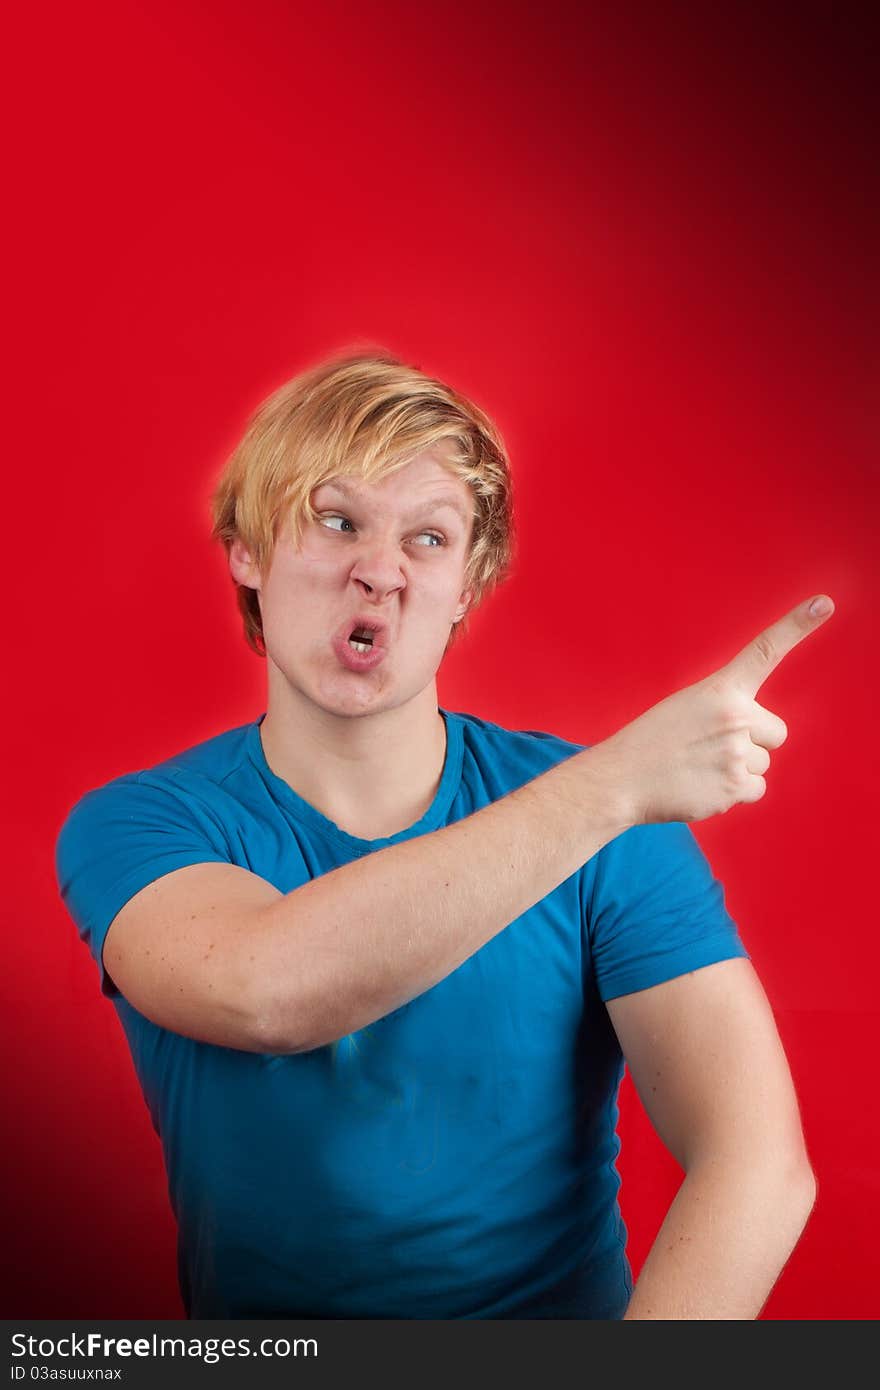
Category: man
[380,964]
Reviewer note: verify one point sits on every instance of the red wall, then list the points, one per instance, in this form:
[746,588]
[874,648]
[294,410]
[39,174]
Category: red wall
[644,239]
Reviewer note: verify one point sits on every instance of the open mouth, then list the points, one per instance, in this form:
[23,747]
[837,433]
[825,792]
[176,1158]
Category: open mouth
[361,640]
[366,634]
[361,646]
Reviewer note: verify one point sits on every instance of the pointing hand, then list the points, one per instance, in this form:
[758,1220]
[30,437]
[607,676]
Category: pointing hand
[707,747]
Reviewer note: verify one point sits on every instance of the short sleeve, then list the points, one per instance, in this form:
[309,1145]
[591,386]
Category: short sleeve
[656,910]
[121,837]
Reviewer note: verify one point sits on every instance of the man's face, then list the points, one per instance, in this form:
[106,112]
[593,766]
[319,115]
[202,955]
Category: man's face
[393,552]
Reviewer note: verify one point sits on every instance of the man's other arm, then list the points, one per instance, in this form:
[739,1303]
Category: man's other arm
[709,1068]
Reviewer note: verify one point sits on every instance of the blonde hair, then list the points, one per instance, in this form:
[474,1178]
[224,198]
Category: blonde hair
[365,414]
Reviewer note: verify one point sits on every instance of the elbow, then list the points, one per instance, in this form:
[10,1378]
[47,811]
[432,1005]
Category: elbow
[796,1175]
[286,1026]
[796,1198]
[317,1014]
[269,1021]
[795,1188]
[805,1183]
[273,1031]
[787,1182]
[278,1018]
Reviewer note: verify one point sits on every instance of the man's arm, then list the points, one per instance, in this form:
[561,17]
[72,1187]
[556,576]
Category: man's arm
[710,1070]
[218,954]
[214,952]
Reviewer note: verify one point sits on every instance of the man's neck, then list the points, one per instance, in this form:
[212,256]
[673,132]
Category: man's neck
[373,775]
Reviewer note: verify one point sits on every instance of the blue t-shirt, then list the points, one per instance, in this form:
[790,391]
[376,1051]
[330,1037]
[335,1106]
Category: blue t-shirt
[454,1159]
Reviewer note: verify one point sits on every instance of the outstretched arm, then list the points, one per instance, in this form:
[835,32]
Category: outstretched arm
[710,1070]
[213,951]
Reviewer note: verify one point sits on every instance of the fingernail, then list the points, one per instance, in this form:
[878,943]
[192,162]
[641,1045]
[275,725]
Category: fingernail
[819,607]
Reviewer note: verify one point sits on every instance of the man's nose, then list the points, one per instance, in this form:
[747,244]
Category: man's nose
[379,566]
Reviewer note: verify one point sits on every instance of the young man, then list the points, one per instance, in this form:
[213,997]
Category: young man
[380,964]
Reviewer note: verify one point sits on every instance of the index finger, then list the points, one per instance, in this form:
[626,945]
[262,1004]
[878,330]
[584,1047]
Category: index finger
[751,667]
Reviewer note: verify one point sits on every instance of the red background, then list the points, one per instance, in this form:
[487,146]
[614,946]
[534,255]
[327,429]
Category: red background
[644,239]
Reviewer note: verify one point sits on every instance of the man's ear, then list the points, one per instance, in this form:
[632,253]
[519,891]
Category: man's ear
[242,566]
[464,604]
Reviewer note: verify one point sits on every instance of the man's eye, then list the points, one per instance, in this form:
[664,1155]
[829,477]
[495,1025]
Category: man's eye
[435,537]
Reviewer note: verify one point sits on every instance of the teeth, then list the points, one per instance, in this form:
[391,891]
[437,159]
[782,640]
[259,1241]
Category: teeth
[360,646]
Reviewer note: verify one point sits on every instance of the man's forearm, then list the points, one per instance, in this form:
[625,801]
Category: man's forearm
[350,946]
[724,1242]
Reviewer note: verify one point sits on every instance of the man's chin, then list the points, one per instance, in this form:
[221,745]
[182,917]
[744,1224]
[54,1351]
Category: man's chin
[348,695]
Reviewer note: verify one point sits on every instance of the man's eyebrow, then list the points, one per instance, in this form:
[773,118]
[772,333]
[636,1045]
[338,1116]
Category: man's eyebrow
[432,504]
